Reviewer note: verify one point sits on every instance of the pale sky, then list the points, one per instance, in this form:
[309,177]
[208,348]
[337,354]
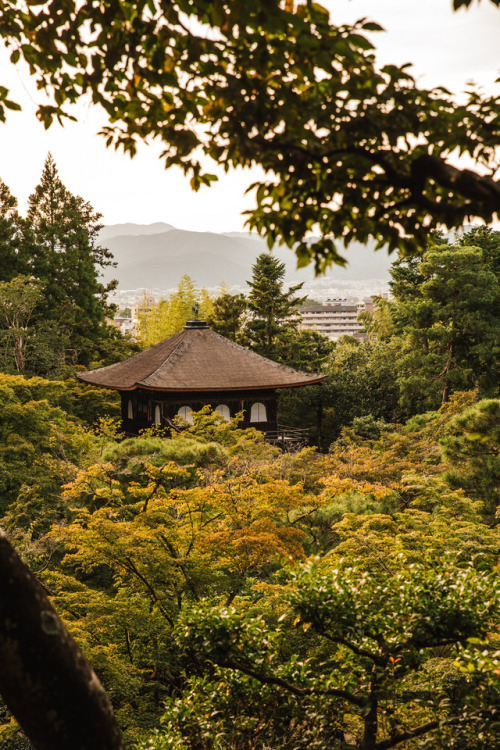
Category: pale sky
[446,48]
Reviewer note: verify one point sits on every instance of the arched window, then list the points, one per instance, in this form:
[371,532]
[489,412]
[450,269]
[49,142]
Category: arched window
[224,411]
[157,414]
[186,413]
[130,409]
[258,412]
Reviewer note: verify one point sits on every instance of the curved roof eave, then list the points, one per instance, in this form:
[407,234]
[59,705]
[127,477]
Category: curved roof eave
[214,389]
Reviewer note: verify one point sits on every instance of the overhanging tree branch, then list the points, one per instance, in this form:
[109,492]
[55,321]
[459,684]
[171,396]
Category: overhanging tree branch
[266,679]
[376,658]
[411,734]
[351,151]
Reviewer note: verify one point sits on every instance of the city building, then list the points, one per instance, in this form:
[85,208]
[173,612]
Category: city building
[335,318]
[125,324]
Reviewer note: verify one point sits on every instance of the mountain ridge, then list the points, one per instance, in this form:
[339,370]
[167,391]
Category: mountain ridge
[158,255]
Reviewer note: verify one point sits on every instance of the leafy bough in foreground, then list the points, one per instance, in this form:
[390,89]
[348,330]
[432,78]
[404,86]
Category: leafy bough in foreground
[349,150]
[353,662]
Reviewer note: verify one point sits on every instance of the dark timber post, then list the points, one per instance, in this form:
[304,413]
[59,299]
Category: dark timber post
[45,680]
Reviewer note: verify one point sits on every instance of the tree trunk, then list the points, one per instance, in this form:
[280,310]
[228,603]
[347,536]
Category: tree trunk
[369,739]
[19,343]
[447,382]
[446,392]
[45,680]
[319,419]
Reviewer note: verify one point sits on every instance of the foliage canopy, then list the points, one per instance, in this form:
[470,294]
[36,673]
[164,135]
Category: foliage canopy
[348,148]
[264,598]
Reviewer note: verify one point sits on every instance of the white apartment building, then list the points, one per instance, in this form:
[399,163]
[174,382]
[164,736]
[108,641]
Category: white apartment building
[124,325]
[335,318]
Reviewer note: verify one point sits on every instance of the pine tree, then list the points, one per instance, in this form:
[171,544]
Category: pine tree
[471,448]
[227,317]
[449,324]
[488,240]
[67,258]
[273,309]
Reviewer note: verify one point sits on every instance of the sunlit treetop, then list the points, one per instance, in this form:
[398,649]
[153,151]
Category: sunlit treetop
[348,148]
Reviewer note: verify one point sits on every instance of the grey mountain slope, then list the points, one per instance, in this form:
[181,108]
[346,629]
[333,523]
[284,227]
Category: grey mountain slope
[150,259]
[123,230]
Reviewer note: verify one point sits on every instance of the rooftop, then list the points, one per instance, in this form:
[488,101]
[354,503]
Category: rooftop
[198,359]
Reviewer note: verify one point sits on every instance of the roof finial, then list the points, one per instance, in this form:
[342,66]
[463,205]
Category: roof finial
[196,310]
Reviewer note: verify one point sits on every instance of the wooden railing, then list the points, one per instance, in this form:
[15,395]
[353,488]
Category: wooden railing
[288,438]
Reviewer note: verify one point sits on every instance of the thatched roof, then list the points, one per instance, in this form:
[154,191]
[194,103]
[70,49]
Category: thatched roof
[197,359]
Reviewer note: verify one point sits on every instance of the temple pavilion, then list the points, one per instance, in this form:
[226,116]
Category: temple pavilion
[193,368]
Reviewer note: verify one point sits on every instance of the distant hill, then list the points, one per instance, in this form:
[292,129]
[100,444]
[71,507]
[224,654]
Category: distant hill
[133,230]
[157,255]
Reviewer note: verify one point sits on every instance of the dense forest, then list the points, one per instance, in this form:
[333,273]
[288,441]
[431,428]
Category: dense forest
[227,594]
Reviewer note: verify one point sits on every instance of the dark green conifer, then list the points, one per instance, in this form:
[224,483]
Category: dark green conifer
[447,312]
[67,257]
[12,254]
[273,309]
[227,316]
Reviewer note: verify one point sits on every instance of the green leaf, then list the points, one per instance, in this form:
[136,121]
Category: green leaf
[12,105]
[371,26]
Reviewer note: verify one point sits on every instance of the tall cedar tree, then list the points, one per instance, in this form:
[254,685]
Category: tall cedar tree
[67,258]
[11,236]
[273,310]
